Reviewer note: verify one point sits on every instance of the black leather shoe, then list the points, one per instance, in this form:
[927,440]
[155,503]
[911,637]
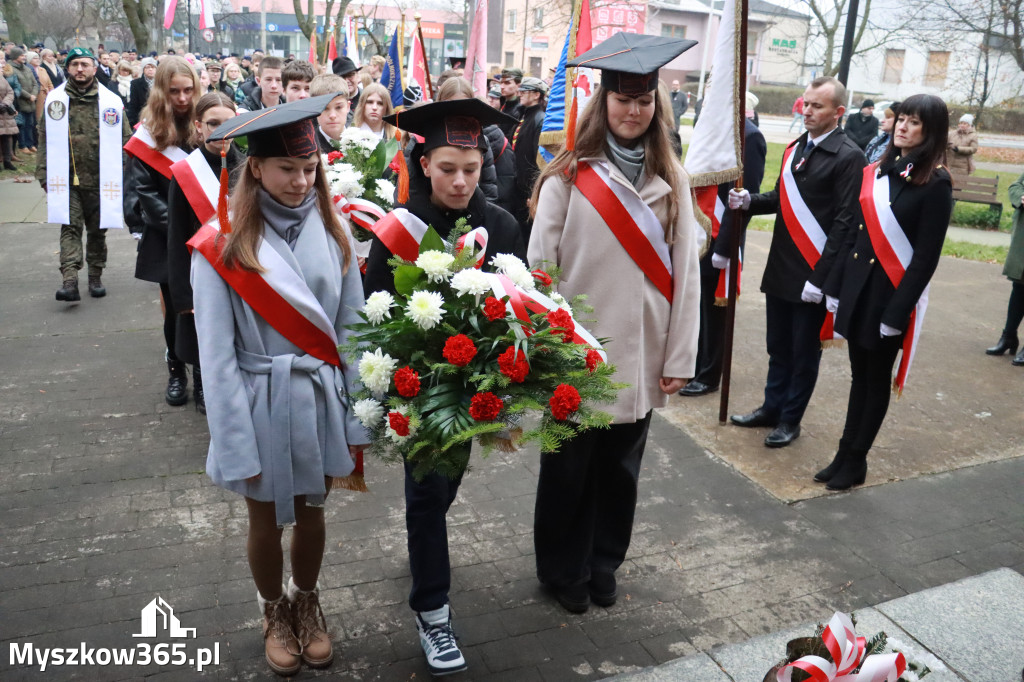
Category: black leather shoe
[1007,342]
[697,388]
[758,417]
[177,384]
[573,598]
[782,435]
[1018,359]
[603,591]
[198,395]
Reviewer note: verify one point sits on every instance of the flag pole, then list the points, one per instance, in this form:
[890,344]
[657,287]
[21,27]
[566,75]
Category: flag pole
[401,52]
[426,63]
[737,220]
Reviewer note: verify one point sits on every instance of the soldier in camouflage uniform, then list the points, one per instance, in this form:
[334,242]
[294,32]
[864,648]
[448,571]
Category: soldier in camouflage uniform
[83,130]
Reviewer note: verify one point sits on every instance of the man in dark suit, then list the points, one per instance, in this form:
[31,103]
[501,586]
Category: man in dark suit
[713,266]
[821,173]
[680,104]
[138,91]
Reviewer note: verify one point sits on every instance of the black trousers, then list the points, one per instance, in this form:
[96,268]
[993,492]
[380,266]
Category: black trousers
[870,391]
[586,498]
[712,330]
[793,336]
[426,505]
[170,323]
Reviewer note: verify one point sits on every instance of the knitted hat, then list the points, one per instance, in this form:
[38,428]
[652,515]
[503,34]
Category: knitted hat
[968,119]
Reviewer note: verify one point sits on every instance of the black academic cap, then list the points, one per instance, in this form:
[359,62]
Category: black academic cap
[282,130]
[453,123]
[342,66]
[629,62]
[457,62]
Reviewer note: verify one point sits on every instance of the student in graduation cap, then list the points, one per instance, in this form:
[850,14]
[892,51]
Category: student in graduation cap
[613,212]
[191,201]
[443,176]
[274,290]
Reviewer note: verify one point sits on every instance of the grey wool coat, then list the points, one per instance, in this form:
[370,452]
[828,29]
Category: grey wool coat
[272,409]
[650,338]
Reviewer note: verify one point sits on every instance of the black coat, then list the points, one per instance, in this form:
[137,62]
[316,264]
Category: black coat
[526,141]
[504,167]
[138,93]
[861,129]
[867,298]
[254,100]
[754,152]
[514,109]
[502,234]
[679,105]
[182,223]
[828,183]
[488,182]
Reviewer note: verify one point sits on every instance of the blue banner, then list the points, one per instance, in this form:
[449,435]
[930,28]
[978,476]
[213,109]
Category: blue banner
[391,74]
[554,115]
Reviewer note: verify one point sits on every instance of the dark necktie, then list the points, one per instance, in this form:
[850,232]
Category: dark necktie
[809,147]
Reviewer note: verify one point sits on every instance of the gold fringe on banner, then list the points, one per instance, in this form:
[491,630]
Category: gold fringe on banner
[832,343]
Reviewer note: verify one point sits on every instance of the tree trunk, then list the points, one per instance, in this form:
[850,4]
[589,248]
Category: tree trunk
[15,26]
[139,13]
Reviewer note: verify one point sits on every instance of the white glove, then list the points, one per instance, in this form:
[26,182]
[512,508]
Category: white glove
[831,304]
[886,330]
[811,293]
[739,198]
[719,262]
[137,236]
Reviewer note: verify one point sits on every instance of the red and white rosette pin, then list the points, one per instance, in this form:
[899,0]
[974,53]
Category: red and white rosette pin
[360,211]
[846,650]
[477,239]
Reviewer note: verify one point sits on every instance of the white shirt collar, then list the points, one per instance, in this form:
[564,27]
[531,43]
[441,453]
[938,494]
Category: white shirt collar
[821,138]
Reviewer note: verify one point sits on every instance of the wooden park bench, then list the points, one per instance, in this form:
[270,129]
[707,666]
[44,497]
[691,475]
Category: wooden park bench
[978,190]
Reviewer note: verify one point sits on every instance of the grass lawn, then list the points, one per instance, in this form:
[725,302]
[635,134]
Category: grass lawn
[26,168]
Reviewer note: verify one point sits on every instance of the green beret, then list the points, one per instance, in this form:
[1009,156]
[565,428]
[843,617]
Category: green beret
[78,53]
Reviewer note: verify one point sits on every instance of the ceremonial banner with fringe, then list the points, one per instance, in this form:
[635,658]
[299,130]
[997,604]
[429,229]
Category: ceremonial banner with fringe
[571,88]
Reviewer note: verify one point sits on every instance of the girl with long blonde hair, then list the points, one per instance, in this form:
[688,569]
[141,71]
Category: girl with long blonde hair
[619,186]
[281,430]
[373,105]
[163,137]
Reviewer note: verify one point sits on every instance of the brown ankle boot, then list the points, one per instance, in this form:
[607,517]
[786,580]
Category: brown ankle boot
[310,626]
[284,655]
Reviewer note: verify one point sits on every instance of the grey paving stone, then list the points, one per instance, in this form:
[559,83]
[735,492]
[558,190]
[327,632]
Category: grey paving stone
[973,624]
[695,667]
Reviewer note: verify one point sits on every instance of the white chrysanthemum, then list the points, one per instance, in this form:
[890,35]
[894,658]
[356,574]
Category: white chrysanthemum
[425,308]
[385,191]
[560,301]
[363,142]
[471,281]
[378,306]
[514,269]
[403,409]
[375,370]
[435,264]
[345,180]
[369,412]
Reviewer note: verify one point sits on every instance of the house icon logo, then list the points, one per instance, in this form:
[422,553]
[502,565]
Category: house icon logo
[158,616]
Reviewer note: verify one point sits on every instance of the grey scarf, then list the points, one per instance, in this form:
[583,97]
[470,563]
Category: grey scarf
[285,220]
[629,161]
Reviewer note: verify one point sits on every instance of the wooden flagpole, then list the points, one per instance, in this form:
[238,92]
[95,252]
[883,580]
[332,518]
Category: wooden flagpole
[426,63]
[737,220]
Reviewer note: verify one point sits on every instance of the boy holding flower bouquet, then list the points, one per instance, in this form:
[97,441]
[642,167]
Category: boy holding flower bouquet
[443,177]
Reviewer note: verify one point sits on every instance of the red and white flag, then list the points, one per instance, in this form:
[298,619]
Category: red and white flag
[206,14]
[476,58]
[332,49]
[169,7]
[416,71]
[351,39]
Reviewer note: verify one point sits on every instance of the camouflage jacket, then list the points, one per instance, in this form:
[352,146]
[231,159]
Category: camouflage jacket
[84,134]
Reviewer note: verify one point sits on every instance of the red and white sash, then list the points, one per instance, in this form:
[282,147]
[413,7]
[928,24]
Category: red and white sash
[363,213]
[632,222]
[278,295]
[401,232]
[894,253]
[142,146]
[477,241]
[199,183]
[710,204]
[803,227]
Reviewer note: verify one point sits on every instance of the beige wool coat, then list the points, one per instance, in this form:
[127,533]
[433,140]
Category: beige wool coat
[648,338]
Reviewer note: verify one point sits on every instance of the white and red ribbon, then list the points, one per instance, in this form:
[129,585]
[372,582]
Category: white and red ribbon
[278,295]
[142,146]
[363,213]
[199,183]
[632,222]
[894,253]
[477,240]
[402,233]
[847,650]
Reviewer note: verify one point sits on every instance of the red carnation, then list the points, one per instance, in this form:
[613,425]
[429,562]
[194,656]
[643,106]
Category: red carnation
[513,364]
[459,350]
[399,423]
[485,407]
[407,381]
[563,320]
[593,360]
[494,309]
[564,402]
[542,277]
[334,156]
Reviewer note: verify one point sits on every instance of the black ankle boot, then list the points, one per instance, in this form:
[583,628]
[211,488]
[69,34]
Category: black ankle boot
[1018,359]
[197,390]
[1007,342]
[177,383]
[853,471]
[826,474]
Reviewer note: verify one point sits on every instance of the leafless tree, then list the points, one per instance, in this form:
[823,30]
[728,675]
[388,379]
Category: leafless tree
[139,14]
[828,25]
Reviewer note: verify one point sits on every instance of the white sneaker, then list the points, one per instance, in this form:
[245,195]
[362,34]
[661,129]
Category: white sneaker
[439,642]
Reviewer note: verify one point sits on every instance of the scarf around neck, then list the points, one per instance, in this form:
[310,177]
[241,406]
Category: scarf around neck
[629,161]
[285,220]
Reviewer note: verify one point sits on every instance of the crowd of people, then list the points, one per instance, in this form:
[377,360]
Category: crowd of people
[147,144]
